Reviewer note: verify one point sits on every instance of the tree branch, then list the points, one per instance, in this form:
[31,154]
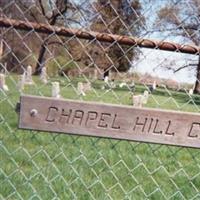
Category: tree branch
[188,27]
[27,8]
[54,42]
[42,7]
[58,12]
[185,66]
[184,32]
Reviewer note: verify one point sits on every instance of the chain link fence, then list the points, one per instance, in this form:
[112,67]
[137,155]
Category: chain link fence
[107,47]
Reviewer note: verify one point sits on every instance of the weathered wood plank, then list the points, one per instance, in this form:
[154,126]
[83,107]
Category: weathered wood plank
[110,121]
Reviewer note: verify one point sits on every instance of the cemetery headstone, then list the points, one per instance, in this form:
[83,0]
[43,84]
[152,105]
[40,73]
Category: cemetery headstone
[191,92]
[87,86]
[43,75]
[110,77]
[140,100]
[145,97]
[1,49]
[106,79]
[103,87]
[3,68]
[55,90]
[121,85]
[21,82]
[154,85]
[3,85]
[28,78]
[80,89]
[137,101]
[83,88]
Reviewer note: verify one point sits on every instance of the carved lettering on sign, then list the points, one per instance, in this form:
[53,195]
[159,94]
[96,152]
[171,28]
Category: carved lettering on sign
[140,124]
[150,125]
[51,114]
[155,127]
[167,132]
[79,117]
[103,120]
[91,117]
[114,124]
[65,116]
[194,130]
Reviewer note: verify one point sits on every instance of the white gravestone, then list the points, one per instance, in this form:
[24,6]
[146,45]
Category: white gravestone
[21,82]
[28,78]
[106,79]
[55,90]
[87,86]
[145,97]
[4,69]
[110,77]
[3,85]
[43,75]
[1,49]
[103,87]
[191,92]
[80,89]
[137,100]
[140,100]
[154,85]
[83,88]
[121,85]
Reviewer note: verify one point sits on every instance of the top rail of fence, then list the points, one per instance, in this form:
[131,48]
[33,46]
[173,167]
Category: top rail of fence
[103,37]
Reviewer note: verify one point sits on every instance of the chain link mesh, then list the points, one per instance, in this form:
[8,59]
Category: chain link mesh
[38,165]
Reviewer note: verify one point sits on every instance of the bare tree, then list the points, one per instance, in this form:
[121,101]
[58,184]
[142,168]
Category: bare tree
[123,17]
[54,12]
[182,18]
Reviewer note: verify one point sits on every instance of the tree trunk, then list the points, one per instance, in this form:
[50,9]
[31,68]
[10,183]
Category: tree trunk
[197,83]
[105,73]
[40,62]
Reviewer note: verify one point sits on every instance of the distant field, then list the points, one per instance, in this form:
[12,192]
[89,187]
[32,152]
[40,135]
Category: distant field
[38,165]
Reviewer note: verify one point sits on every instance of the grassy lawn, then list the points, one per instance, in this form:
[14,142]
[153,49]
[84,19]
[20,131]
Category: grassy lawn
[38,165]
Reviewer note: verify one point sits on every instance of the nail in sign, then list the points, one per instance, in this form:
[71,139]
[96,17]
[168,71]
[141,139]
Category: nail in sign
[110,121]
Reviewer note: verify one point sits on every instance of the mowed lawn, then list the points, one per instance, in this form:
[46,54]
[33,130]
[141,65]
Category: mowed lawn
[38,165]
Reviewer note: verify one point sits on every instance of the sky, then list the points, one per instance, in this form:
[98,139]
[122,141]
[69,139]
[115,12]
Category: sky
[150,59]
[153,62]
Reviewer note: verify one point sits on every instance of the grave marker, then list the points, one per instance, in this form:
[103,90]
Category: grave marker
[106,79]
[28,77]
[139,100]
[83,88]
[3,85]
[21,82]
[80,89]
[43,76]
[55,90]
[191,92]
[1,49]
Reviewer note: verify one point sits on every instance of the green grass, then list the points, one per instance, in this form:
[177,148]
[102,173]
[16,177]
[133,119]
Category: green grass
[38,165]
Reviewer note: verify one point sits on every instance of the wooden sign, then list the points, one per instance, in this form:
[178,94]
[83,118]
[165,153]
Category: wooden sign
[110,121]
